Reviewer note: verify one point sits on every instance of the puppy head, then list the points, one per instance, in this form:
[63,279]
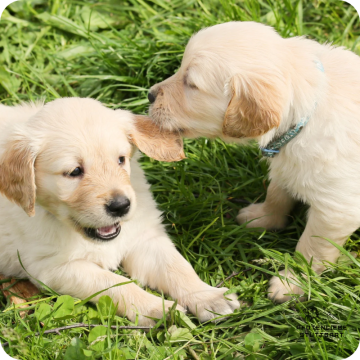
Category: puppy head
[73,157]
[230,84]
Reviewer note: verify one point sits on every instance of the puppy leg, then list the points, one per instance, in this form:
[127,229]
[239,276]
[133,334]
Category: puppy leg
[156,263]
[329,225]
[271,214]
[81,279]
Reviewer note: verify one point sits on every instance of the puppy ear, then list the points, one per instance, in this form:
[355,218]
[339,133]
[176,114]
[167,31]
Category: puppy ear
[255,107]
[17,174]
[156,143]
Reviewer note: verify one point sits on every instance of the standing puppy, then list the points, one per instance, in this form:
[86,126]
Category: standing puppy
[300,101]
[67,165]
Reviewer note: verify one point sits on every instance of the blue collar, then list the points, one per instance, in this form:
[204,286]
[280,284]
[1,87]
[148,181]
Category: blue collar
[274,147]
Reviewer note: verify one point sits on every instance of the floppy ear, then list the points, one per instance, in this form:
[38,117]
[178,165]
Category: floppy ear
[156,143]
[17,174]
[255,107]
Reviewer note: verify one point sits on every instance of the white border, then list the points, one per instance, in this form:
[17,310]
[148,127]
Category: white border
[5,3]
[4,355]
[355,4]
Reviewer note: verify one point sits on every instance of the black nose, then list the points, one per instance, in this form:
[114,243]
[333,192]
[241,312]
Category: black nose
[151,97]
[119,206]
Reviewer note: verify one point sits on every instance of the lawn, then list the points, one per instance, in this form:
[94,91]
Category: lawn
[114,51]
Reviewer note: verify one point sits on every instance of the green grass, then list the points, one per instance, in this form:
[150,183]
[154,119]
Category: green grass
[114,51]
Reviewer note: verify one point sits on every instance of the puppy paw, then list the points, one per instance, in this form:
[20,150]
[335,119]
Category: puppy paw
[152,308]
[281,290]
[210,303]
[260,217]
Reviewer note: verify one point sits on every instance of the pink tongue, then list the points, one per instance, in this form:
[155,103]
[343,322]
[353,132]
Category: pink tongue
[107,230]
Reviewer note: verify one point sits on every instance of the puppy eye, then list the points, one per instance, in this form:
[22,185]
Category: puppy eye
[189,84]
[193,86]
[121,160]
[76,172]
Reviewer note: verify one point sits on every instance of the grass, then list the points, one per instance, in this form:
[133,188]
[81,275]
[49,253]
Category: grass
[114,51]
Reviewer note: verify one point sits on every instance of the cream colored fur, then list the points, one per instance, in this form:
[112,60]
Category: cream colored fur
[60,136]
[241,81]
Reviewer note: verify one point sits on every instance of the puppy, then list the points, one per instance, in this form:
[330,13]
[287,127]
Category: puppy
[300,101]
[74,211]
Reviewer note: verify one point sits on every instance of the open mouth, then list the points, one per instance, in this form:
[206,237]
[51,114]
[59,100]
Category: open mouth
[104,233]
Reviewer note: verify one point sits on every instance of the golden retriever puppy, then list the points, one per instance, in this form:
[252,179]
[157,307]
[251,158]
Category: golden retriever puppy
[74,211]
[300,101]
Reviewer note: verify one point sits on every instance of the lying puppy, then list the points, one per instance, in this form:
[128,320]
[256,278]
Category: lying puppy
[300,101]
[67,164]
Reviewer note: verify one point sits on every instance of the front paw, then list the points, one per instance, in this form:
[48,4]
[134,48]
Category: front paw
[281,290]
[210,302]
[258,216]
[151,306]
